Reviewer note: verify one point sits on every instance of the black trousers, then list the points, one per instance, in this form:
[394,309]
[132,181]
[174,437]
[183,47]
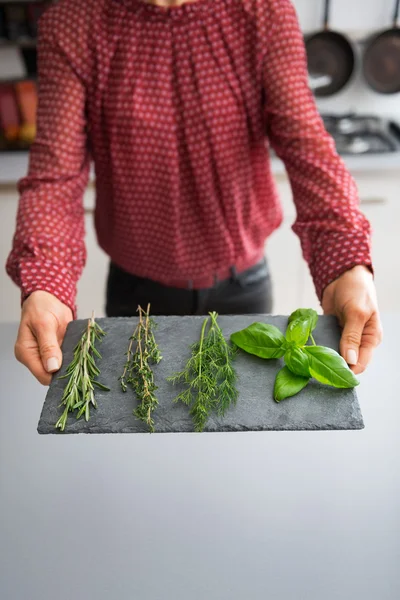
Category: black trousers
[249,292]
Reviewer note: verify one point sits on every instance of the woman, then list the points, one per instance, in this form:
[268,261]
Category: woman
[174,102]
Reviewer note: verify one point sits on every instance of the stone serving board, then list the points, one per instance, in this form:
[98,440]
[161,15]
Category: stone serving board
[316,407]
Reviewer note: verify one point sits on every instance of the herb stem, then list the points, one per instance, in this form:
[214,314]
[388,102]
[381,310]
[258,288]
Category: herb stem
[81,373]
[140,340]
[126,367]
[203,330]
[147,323]
[208,374]
[137,370]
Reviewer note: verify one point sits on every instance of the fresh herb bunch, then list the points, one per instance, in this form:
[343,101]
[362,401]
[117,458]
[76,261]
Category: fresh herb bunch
[209,375]
[82,372]
[138,371]
[302,361]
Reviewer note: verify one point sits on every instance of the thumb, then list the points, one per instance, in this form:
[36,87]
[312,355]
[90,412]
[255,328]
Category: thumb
[49,348]
[350,342]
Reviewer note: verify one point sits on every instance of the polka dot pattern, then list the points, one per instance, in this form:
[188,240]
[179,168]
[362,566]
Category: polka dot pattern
[175,107]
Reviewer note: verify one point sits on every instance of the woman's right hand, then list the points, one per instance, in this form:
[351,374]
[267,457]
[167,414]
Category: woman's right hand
[44,321]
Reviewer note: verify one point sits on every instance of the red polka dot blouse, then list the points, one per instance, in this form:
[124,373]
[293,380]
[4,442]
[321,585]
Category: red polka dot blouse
[177,108]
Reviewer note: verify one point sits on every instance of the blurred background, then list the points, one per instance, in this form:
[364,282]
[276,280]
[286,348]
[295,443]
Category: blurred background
[360,112]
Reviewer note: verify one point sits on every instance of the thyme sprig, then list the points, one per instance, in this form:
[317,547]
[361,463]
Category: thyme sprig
[138,370]
[79,392]
[209,375]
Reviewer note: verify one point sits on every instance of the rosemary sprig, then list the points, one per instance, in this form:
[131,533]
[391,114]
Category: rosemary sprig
[209,375]
[138,371]
[82,372]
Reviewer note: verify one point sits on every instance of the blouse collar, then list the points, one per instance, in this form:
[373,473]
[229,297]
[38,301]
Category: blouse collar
[150,10]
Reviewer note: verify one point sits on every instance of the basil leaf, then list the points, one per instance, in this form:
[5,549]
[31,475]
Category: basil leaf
[305,314]
[298,331]
[327,366]
[288,384]
[265,341]
[297,361]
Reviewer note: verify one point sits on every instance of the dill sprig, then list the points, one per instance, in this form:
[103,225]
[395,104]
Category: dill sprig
[82,372]
[138,371]
[209,375]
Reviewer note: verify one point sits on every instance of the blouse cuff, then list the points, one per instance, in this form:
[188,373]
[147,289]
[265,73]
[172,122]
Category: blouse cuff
[340,255]
[52,279]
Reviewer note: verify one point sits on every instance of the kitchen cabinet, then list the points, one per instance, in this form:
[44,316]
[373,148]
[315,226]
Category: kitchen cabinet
[381,204]
[379,199]
[10,296]
[292,283]
[91,287]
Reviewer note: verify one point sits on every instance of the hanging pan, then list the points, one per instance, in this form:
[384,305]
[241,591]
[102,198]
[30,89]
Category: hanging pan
[381,61]
[330,54]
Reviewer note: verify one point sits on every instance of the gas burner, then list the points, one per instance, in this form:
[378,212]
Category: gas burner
[363,143]
[363,134]
[358,145]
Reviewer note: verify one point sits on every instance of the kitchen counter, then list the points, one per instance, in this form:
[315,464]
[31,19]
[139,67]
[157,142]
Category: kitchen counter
[367,163]
[14,165]
[279,515]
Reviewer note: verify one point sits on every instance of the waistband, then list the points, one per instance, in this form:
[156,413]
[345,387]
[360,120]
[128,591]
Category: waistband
[235,271]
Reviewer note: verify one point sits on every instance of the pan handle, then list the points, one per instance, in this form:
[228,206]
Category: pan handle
[328,10]
[396,14]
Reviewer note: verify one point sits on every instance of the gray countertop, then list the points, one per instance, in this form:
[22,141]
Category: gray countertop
[229,516]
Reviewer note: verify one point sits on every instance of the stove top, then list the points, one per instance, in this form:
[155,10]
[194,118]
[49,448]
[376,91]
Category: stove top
[363,134]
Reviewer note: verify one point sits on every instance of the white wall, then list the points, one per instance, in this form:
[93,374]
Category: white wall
[350,15]
[358,19]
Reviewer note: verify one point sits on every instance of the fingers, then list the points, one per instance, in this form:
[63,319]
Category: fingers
[38,348]
[27,352]
[362,332]
[43,324]
[371,338]
[49,348]
[351,337]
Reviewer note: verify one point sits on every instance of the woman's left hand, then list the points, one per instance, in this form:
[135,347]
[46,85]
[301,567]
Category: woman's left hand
[352,299]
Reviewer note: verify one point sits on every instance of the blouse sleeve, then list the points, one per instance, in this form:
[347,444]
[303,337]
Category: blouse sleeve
[334,234]
[48,250]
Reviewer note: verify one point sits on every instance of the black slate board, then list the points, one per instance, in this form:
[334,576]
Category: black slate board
[316,407]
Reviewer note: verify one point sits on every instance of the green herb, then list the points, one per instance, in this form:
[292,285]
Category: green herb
[328,367]
[297,361]
[82,372]
[302,361]
[265,341]
[209,375]
[300,325]
[138,371]
[305,314]
[288,384]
